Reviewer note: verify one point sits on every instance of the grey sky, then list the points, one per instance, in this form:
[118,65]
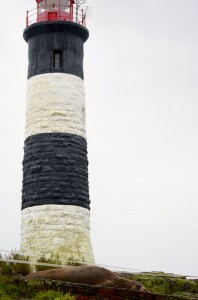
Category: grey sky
[141,80]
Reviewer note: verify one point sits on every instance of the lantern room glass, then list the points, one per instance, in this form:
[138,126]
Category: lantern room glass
[51,5]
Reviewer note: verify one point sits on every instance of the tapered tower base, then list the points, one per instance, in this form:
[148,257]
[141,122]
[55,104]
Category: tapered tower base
[57,231]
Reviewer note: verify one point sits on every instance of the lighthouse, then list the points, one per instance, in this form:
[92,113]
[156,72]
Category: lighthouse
[55,222]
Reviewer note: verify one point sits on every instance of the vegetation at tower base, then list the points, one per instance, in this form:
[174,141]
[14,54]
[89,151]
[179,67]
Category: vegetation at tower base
[13,268]
[163,286]
[11,288]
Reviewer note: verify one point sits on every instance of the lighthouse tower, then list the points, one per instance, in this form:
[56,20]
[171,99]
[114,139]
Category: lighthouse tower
[55,194]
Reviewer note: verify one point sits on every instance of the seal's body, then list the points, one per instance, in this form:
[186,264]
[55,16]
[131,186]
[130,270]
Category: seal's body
[91,275]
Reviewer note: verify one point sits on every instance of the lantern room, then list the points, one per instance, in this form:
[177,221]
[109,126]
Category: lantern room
[57,10]
[53,10]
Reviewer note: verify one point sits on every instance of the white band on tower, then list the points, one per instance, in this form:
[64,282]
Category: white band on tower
[55,103]
[55,230]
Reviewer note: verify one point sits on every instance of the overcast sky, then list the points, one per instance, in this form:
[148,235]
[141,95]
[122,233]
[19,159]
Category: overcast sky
[141,80]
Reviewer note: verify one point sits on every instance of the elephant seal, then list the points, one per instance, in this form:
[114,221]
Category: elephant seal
[91,275]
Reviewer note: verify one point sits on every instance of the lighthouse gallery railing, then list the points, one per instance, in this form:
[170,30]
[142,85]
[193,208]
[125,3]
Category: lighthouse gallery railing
[57,13]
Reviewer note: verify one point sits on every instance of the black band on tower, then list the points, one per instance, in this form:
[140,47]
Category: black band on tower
[48,38]
[55,170]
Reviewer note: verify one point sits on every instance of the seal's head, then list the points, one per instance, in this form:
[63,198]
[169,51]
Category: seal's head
[137,286]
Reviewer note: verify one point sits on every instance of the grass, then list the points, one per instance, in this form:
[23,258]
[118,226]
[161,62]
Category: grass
[47,261]
[9,291]
[167,284]
[53,295]
[12,268]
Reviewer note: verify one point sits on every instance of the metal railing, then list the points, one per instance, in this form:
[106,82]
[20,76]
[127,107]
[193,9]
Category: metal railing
[6,258]
[57,13]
